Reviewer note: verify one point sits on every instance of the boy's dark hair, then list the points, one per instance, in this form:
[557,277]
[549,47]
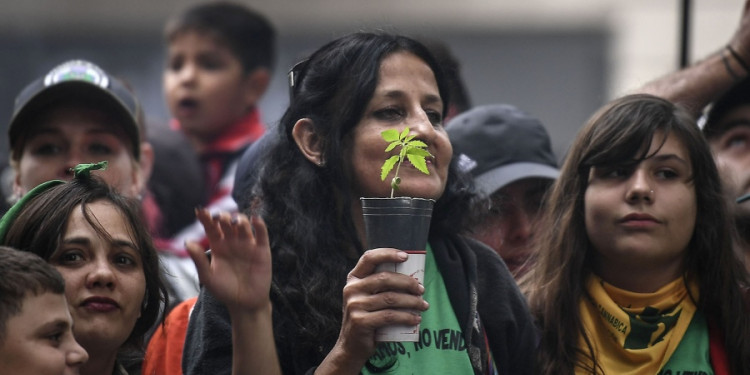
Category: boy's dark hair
[23,274]
[247,33]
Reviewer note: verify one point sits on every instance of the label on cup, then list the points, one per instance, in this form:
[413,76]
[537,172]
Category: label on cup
[414,267]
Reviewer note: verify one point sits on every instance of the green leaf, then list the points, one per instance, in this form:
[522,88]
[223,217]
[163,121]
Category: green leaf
[418,152]
[419,162]
[391,146]
[418,143]
[390,135]
[404,133]
[388,166]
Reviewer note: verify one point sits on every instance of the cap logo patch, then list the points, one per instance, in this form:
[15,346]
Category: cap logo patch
[465,163]
[77,70]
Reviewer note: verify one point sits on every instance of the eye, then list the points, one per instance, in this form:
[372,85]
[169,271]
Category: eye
[499,205]
[55,338]
[99,148]
[389,114]
[667,173]
[46,149]
[533,203]
[211,62]
[614,172]
[737,139]
[175,63]
[436,118]
[124,260]
[70,257]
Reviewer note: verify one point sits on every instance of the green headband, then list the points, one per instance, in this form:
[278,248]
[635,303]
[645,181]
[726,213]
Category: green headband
[80,171]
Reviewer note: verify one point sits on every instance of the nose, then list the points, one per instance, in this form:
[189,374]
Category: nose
[422,126]
[73,158]
[520,226]
[640,188]
[100,275]
[187,74]
[75,357]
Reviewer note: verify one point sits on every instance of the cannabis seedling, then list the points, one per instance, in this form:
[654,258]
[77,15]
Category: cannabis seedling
[414,150]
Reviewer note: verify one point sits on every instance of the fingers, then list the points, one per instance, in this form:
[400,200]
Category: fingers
[390,300]
[380,282]
[224,224]
[259,230]
[202,265]
[210,223]
[375,299]
[372,258]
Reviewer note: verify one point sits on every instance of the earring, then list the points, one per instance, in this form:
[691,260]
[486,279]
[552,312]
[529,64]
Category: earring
[321,163]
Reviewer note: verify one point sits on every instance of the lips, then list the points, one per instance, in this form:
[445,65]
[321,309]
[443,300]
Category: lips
[639,221]
[187,103]
[639,217]
[100,304]
[186,107]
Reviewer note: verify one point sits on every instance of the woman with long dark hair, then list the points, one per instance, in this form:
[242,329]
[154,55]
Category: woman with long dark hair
[327,154]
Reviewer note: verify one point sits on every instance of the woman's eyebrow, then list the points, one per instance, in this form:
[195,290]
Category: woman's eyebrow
[668,157]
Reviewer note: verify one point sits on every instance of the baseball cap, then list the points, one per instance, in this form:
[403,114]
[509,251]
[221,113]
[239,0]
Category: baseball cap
[77,81]
[500,144]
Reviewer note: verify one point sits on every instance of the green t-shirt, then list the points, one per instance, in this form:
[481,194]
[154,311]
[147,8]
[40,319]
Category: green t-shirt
[441,348]
[692,354]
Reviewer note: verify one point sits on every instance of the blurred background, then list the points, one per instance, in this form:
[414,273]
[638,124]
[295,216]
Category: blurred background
[556,59]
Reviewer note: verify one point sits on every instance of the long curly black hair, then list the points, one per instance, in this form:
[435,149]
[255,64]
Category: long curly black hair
[308,209]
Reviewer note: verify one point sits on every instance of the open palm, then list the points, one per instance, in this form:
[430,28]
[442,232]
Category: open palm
[239,271]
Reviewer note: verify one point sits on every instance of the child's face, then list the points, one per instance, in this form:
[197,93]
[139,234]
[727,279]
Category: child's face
[104,278]
[205,85]
[39,339]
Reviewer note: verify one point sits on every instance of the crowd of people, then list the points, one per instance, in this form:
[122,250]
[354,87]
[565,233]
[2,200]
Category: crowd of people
[627,255]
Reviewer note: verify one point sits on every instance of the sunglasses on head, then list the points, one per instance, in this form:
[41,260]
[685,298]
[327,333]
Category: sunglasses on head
[295,77]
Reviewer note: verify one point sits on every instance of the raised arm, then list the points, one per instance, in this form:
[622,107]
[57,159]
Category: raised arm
[704,81]
[239,275]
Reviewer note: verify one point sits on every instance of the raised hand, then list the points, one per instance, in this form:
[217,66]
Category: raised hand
[239,273]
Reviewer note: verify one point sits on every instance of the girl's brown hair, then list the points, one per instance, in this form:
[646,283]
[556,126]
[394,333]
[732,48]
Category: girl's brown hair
[621,132]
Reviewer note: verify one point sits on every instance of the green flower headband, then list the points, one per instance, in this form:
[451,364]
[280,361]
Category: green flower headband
[80,171]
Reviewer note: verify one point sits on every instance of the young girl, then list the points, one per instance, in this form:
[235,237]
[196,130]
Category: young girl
[636,273]
[97,240]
